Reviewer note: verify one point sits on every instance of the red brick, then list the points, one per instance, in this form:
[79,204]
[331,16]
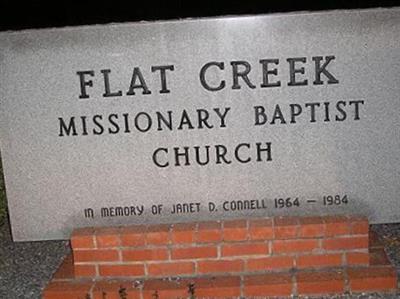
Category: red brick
[178,268]
[158,234]
[66,269]
[357,258]
[83,238]
[261,229]
[336,226]
[311,227]
[183,233]
[108,237]
[165,289]
[378,257]
[133,236]
[359,242]
[145,254]
[274,284]
[194,252]
[374,240]
[359,225]
[101,255]
[320,260]
[107,289]
[245,249]
[287,246]
[320,283]
[286,227]
[85,270]
[217,287]
[67,289]
[372,279]
[121,270]
[235,230]
[270,263]
[209,232]
[218,266]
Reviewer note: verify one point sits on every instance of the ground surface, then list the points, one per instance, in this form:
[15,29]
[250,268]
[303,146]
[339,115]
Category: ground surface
[26,267]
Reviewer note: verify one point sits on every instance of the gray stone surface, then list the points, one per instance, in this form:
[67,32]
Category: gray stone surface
[51,179]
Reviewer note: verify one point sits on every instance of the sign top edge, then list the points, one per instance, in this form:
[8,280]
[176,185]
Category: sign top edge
[201,19]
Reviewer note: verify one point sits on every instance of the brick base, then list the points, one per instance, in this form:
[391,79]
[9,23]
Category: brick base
[251,269]
[225,247]
[322,282]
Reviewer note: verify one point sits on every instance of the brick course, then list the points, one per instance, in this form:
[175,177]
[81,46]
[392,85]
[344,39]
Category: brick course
[286,242]
[280,256]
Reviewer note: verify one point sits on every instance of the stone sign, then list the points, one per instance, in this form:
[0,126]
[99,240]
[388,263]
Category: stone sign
[286,114]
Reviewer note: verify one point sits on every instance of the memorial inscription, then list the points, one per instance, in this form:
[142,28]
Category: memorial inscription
[201,119]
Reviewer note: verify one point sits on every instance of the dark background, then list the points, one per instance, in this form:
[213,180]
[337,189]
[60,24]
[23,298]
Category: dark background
[16,15]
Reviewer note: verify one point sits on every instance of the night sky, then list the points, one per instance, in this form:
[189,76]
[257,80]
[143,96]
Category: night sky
[17,15]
